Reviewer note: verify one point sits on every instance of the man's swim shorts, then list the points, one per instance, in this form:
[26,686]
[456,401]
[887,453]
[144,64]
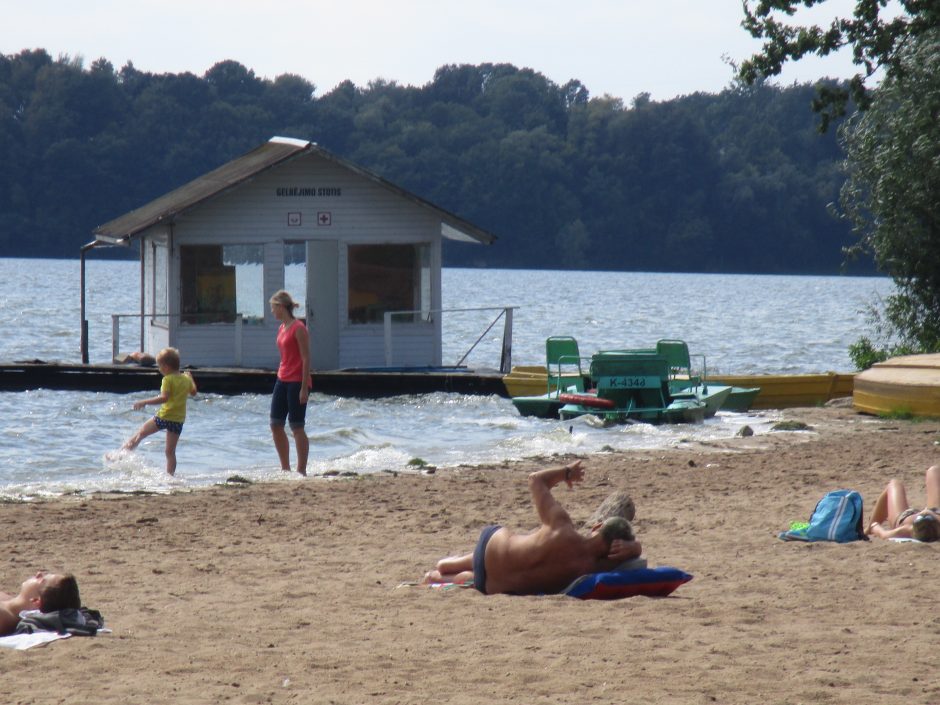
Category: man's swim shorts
[479,557]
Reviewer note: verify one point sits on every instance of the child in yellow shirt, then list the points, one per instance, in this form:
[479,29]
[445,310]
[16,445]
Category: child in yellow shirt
[174,391]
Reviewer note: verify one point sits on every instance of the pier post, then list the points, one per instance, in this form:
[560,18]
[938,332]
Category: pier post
[83,330]
[115,336]
[387,319]
[238,340]
[505,362]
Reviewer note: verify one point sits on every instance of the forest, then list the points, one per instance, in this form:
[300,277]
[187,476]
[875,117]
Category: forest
[740,181]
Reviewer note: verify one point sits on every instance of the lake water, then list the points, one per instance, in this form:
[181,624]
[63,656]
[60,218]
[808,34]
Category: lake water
[52,442]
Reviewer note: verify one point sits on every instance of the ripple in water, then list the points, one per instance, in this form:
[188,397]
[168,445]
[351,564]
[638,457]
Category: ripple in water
[59,442]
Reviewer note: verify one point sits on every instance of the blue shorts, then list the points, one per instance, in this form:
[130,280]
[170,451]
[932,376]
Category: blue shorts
[286,406]
[479,557]
[168,426]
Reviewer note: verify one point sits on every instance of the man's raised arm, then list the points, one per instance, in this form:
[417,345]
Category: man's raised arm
[550,512]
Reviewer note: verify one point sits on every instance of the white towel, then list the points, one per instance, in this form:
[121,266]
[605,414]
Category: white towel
[21,642]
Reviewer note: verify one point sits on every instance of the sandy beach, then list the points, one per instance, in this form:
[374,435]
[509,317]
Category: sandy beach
[288,592]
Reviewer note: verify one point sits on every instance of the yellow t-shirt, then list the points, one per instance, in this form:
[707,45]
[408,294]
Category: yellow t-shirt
[176,386]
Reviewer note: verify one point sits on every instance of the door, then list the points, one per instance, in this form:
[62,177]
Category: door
[323,303]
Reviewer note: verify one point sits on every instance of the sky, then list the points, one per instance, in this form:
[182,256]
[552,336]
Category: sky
[622,48]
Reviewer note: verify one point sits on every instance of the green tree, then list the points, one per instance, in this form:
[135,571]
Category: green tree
[877,42]
[892,194]
[893,148]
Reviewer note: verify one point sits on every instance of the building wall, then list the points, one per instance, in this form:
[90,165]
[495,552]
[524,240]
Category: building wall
[216,345]
[412,345]
[363,211]
[156,329]
[307,198]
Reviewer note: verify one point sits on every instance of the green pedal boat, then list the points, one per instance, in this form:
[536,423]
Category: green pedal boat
[652,386]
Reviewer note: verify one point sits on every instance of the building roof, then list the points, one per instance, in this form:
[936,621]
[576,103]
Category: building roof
[272,153]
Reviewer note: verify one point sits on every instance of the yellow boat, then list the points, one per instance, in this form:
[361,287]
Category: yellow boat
[776,391]
[527,381]
[788,391]
[909,384]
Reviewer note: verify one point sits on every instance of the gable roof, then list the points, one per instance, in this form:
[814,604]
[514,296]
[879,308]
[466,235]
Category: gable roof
[272,153]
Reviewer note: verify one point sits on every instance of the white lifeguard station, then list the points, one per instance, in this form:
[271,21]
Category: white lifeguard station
[345,242]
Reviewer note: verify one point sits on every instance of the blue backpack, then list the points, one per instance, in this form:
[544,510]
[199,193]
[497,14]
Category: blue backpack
[838,517]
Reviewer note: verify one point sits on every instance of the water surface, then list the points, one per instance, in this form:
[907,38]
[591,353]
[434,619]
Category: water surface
[53,442]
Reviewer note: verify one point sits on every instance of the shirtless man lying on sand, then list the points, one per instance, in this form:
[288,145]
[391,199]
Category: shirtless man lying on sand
[548,559]
[46,592]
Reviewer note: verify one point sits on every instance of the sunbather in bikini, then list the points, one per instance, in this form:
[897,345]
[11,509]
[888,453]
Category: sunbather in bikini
[46,592]
[893,516]
[548,559]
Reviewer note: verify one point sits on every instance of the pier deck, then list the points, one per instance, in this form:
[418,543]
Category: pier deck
[372,383]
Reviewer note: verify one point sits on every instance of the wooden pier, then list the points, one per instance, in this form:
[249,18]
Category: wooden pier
[371,383]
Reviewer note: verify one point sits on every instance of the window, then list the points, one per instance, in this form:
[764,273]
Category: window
[220,281]
[388,278]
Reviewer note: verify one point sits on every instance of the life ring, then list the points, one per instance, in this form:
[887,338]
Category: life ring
[586,400]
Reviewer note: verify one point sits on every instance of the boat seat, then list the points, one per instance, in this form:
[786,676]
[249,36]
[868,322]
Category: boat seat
[634,382]
[677,354]
[563,361]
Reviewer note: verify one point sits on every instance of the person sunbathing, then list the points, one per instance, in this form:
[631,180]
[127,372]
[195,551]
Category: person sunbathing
[547,559]
[46,592]
[893,516]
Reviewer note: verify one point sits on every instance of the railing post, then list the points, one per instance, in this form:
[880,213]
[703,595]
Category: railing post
[438,353]
[387,320]
[84,322]
[115,336]
[238,340]
[505,362]
[83,342]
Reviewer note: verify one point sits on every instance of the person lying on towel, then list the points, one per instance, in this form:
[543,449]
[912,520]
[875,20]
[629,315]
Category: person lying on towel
[549,558]
[46,592]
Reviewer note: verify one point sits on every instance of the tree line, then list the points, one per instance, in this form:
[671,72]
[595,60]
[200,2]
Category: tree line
[739,181]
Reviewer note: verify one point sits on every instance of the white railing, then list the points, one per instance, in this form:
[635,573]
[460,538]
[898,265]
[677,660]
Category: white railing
[505,363]
[505,312]
[116,331]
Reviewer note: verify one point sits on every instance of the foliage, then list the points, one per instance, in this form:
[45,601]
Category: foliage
[876,42]
[733,182]
[864,354]
[892,194]
[901,413]
[883,340]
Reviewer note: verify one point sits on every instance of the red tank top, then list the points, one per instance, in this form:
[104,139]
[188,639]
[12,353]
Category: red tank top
[291,368]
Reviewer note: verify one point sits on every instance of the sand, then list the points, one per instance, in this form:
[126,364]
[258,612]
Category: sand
[288,592]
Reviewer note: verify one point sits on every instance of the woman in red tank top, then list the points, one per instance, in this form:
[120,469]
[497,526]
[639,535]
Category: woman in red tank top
[292,388]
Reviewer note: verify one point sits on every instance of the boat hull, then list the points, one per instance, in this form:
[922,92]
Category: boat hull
[908,384]
[542,406]
[679,411]
[687,404]
[713,396]
[748,391]
[741,399]
[789,391]
[526,381]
